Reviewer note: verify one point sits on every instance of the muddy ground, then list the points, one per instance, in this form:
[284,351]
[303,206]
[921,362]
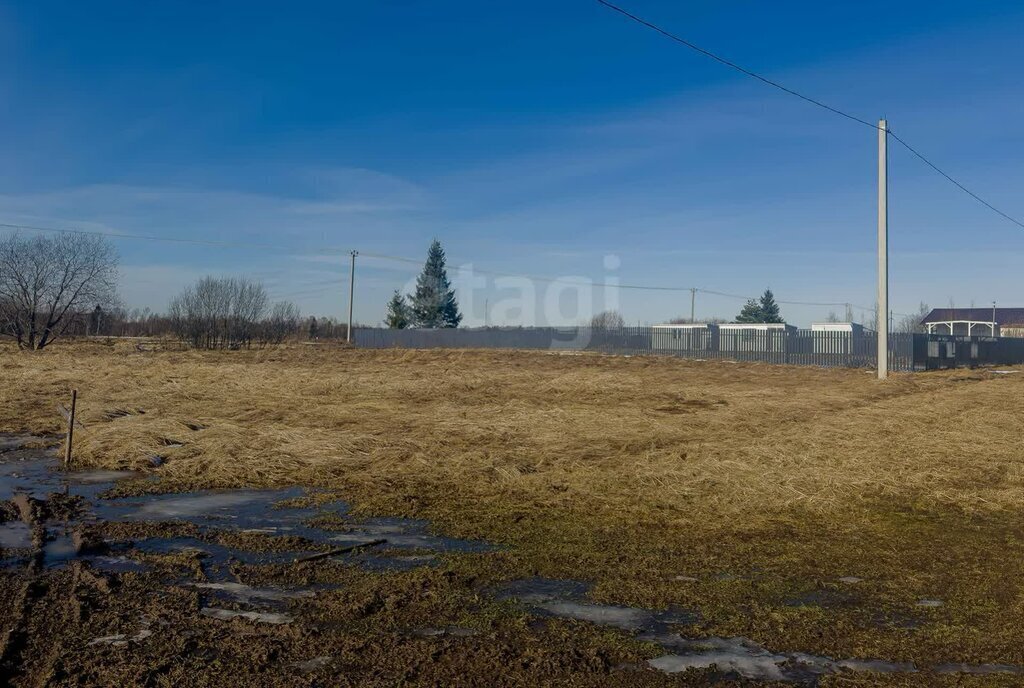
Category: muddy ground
[270,588]
[287,587]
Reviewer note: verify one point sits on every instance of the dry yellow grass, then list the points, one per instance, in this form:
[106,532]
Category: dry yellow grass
[719,437]
[622,470]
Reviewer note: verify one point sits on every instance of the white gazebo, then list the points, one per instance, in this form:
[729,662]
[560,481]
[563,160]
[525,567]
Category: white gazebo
[968,327]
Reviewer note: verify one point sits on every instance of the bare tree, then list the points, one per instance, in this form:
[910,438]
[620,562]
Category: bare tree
[47,282]
[283,321]
[608,320]
[912,323]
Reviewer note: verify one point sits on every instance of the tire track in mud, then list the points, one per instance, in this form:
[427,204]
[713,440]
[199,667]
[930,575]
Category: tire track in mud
[38,597]
[33,589]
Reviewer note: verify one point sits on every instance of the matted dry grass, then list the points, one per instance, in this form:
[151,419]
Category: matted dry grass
[619,432]
[763,482]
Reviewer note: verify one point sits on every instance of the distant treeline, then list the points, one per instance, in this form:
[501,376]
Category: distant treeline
[142,322]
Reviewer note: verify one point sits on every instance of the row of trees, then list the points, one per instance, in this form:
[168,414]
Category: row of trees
[54,286]
[66,284]
[118,321]
[231,313]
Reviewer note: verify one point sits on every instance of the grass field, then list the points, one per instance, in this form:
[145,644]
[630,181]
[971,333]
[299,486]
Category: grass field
[744,492]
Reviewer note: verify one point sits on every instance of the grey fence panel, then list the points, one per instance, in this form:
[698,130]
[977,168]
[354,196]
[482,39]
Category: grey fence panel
[907,352]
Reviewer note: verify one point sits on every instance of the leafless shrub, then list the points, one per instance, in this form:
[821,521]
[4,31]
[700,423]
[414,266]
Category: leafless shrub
[912,323]
[608,320]
[283,322]
[46,282]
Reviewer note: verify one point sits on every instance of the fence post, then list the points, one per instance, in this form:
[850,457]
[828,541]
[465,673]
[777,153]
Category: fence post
[71,428]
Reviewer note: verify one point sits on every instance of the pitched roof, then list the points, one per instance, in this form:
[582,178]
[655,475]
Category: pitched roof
[1005,316]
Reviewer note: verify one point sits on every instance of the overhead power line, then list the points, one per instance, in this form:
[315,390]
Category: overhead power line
[808,99]
[169,239]
[960,186]
[733,65]
[312,289]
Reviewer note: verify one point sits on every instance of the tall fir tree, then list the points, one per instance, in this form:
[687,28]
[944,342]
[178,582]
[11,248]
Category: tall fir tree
[434,304]
[398,316]
[770,312]
[751,313]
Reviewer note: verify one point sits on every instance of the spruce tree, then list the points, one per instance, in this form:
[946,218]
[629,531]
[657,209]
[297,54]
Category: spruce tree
[434,304]
[751,313]
[769,308]
[398,316]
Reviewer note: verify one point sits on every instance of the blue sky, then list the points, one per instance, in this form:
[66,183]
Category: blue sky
[530,137]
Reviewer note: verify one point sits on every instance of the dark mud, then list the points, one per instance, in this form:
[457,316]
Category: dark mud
[216,587]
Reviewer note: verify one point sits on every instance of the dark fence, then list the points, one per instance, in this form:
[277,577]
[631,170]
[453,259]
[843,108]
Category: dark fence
[787,346]
[957,351]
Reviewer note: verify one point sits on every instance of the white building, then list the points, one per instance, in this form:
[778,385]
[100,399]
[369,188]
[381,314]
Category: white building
[754,337]
[685,337]
[836,337]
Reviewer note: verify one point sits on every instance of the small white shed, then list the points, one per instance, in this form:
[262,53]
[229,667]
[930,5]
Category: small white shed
[684,337]
[754,337]
[836,337]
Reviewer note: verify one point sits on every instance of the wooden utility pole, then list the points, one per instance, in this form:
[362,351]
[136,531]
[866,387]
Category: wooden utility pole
[71,428]
[883,250]
[351,295]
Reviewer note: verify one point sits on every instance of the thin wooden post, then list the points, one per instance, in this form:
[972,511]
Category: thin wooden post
[71,428]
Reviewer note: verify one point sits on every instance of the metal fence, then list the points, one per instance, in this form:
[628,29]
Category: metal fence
[797,347]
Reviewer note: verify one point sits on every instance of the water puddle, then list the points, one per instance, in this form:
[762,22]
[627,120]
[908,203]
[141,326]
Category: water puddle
[249,595]
[205,508]
[123,639]
[746,658]
[728,656]
[404,533]
[99,476]
[452,631]
[382,544]
[313,664]
[567,600]
[11,443]
[979,669]
[275,618]
[15,535]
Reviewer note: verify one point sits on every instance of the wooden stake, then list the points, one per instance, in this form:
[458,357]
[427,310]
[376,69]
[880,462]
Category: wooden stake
[71,428]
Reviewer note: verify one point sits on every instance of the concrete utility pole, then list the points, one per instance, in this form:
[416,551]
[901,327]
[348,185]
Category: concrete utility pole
[883,250]
[693,304]
[993,318]
[351,295]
